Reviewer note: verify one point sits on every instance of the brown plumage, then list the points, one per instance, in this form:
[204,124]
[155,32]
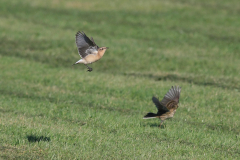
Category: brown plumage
[88,50]
[167,107]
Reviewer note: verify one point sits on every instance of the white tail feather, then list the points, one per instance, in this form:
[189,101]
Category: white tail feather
[148,117]
[81,61]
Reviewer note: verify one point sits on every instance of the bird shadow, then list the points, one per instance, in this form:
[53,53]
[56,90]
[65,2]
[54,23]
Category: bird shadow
[33,138]
[155,125]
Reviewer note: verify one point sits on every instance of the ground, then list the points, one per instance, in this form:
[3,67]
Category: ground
[50,109]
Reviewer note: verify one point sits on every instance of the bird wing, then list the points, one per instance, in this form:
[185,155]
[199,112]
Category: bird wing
[85,45]
[171,98]
[159,105]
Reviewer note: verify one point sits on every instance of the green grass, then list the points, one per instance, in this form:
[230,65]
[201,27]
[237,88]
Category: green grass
[51,110]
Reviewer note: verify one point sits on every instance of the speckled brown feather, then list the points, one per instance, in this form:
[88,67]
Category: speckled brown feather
[168,106]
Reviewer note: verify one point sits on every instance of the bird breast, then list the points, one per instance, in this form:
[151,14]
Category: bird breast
[92,58]
[168,114]
[171,113]
[101,52]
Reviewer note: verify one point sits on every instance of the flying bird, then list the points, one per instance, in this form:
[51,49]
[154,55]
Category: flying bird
[88,50]
[167,107]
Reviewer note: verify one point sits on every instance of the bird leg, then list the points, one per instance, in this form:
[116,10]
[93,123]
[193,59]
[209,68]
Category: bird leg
[161,123]
[89,68]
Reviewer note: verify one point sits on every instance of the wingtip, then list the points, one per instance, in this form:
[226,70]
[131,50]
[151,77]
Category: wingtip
[154,97]
[177,88]
[80,32]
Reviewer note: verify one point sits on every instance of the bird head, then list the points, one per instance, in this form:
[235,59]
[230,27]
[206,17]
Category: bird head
[102,50]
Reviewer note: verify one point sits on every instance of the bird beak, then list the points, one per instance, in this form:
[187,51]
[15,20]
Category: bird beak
[107,47]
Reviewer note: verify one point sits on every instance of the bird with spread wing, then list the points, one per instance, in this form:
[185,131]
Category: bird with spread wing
[167,107]
[88,50]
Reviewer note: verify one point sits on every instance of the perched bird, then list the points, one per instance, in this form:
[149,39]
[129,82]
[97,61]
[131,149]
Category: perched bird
[167,107]
[88,50]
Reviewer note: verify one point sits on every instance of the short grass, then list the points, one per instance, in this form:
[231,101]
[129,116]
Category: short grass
[51,110]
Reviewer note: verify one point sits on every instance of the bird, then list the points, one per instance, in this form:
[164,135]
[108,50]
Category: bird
[88,50]
[167,107]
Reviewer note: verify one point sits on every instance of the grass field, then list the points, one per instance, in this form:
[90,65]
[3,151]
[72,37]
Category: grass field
[52,110]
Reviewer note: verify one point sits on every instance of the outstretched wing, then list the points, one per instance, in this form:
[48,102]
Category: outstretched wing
[171,98]
[85,45]
[159,106]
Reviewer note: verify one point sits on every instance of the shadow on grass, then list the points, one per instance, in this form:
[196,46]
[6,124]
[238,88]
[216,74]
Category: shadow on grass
[20,94]
[32,138]
[155,125]
[226,83]
[5,110]
[218,127]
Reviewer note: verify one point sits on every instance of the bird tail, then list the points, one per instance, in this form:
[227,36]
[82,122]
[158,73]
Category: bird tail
[150,115]
[80,61]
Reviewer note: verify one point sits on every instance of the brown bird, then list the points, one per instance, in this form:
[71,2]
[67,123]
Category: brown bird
[88,50]
[167,107]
